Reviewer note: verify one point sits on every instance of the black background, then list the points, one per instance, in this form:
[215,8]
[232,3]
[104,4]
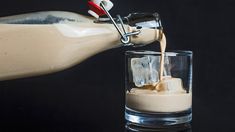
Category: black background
[90,96]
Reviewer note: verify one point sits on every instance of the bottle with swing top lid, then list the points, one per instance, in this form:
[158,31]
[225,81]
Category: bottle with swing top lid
[45,42]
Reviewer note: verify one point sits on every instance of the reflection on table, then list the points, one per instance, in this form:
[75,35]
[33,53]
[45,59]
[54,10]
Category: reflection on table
[178,128]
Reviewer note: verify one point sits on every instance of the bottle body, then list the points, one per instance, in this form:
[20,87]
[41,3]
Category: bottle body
[28,50]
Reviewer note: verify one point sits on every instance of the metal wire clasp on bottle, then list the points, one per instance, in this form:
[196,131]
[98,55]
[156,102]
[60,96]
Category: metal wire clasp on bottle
[125,36]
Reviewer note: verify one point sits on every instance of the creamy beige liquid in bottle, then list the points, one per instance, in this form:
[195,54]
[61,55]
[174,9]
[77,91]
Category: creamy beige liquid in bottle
[29,48]
[167,95]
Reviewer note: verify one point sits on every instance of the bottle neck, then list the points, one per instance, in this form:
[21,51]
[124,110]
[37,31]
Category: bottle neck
[146,36]
[143,28]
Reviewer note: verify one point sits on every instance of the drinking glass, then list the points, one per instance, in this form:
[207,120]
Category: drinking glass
[151,102]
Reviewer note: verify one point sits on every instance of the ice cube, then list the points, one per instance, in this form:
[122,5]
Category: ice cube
[145,70]
[170,85]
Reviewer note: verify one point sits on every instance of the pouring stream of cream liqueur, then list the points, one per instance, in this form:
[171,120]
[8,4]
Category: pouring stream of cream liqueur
[167,95]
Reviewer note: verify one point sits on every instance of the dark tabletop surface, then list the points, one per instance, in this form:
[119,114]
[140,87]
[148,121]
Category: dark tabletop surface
[90,96]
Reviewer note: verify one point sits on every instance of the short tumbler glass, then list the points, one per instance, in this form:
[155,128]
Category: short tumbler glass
[153,102]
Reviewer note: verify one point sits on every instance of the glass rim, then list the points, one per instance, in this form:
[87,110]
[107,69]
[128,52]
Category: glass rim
[167,53]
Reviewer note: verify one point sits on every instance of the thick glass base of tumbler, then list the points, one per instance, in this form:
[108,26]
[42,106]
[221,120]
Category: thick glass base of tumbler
[157,119]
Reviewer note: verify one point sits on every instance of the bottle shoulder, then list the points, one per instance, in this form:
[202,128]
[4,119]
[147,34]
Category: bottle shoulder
[45,17]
